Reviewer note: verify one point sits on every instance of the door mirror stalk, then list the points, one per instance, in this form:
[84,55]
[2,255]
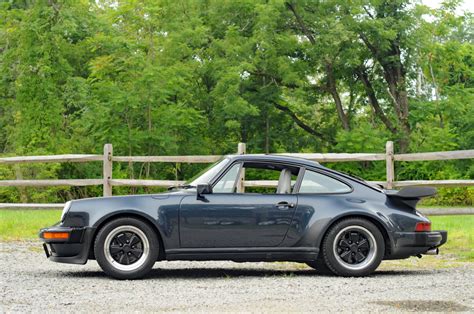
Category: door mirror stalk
[203,189]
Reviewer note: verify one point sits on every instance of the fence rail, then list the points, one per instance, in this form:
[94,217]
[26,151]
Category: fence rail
[51,158]
[174,159]
[55,182]
[107,159]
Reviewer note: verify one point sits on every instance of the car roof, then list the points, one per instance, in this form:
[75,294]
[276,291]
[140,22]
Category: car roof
[275,158]
[295,160]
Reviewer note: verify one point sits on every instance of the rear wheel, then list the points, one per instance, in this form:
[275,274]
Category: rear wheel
[353,247]
[126,248]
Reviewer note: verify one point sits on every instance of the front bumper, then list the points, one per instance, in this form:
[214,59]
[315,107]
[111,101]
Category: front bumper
[74,250]
[408,244]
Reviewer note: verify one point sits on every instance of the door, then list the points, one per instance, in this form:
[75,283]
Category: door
[226,219]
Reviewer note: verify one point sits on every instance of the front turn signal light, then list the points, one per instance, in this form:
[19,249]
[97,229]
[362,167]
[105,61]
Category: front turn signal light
[56,235]
[423,227]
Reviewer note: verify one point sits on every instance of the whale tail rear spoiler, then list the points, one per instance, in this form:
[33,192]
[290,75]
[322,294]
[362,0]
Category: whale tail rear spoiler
[410,195]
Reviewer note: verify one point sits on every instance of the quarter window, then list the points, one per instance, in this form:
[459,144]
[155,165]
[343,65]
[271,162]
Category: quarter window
[314,182]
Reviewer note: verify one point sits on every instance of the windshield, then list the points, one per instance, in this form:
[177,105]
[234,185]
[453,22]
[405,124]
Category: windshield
[207,174]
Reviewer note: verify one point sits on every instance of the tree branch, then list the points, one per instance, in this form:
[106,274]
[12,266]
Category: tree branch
[300,123]
[276,80]
[374,101]
[331,86]
[368,12]
[301,23]
[369,45]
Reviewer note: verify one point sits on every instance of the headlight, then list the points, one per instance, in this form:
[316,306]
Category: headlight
[65,210]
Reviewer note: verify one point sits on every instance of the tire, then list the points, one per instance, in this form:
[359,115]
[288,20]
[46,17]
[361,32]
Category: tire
[353,247]
[126,248]
[320,266]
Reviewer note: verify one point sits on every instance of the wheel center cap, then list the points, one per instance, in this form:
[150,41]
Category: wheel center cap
[354,248]
[126,248]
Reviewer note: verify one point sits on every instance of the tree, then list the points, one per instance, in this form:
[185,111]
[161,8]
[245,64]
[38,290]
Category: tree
[196,77]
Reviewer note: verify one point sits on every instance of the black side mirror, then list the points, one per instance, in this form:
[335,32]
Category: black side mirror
[203,189]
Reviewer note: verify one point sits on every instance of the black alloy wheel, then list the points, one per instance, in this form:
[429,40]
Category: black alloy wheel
[126,248]
[353,247]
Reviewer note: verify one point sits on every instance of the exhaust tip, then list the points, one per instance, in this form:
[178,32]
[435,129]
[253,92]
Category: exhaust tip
[434,251]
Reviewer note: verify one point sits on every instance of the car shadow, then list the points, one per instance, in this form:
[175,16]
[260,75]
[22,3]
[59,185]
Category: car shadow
[196,273]
[225,273]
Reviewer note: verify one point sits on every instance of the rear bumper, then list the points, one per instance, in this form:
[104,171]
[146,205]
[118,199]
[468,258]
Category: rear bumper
[408,244]
[75,250]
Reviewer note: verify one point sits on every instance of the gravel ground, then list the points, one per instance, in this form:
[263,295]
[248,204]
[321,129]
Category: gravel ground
[30,283]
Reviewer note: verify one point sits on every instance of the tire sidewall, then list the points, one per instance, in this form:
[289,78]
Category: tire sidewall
[107,267]
[335,265]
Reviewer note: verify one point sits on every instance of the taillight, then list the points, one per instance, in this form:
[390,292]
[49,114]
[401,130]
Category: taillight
[423,226]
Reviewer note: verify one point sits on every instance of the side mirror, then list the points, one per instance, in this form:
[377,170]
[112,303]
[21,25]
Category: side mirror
[203,189]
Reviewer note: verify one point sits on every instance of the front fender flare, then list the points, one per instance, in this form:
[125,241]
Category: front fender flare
[128,212]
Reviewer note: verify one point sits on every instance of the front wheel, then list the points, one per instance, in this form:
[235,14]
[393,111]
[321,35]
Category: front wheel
[126,248]
[353,247]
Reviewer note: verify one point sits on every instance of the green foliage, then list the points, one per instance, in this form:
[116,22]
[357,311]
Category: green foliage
[196,77]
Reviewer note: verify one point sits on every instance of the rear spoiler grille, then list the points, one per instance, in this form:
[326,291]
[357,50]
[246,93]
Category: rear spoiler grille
[410,195]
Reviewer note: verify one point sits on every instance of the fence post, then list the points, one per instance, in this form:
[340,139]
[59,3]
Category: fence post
[241,149]
[107,169]
[389,161]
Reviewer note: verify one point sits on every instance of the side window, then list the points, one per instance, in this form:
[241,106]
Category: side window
[226,184]
[267,178]
[270,178]
[314,182]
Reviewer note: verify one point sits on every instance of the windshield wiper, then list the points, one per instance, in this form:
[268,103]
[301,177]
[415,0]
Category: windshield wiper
[184,186]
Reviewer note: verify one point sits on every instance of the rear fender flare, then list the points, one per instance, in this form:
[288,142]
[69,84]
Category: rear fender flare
[379,222]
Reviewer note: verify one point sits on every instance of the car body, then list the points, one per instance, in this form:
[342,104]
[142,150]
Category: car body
[209,220]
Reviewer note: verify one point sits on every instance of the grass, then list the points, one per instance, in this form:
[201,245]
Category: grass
[442,206]
[24,225]
[460,235]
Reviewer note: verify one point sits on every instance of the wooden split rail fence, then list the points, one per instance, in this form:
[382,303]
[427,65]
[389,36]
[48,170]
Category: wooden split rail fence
[108,182]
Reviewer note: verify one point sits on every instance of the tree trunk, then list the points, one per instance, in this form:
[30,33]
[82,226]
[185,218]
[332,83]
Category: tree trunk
[373,101]
[267,134]
[332,88]
[149,134]
[394,74]
[399,95]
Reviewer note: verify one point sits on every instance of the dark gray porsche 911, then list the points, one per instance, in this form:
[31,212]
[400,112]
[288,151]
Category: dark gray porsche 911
[329,220]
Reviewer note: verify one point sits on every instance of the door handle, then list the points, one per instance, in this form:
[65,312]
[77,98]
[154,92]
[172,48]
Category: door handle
[283,205]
